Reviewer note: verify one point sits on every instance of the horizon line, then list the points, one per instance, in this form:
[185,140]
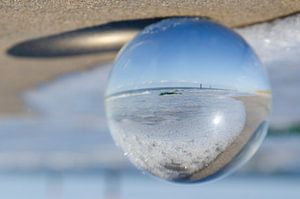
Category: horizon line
[160,88]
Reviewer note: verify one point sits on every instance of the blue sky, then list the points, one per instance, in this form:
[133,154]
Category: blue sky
[187,52]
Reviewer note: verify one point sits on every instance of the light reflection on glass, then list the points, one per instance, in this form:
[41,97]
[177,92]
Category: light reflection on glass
[217,119]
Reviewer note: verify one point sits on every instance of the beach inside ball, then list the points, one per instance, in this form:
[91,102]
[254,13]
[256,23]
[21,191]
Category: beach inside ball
[188,100]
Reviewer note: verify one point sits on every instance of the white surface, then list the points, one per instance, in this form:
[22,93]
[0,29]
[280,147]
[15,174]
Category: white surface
[278,45]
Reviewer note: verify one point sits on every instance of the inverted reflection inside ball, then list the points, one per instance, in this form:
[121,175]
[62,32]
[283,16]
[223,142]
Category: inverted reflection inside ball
[185,98]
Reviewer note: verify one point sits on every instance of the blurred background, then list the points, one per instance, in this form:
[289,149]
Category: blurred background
[62,149]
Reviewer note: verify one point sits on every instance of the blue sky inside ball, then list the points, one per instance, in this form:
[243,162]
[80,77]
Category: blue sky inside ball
[187,52]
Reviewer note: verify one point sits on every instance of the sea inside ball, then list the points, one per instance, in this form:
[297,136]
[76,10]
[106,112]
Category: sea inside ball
[188,100]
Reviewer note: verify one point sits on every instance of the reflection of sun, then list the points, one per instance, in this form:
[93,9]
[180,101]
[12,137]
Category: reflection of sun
[217,119]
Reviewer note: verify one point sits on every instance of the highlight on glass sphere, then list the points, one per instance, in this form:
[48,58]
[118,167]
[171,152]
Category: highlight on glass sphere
[188,100]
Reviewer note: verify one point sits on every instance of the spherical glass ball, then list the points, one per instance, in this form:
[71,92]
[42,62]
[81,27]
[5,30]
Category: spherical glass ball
[188,100]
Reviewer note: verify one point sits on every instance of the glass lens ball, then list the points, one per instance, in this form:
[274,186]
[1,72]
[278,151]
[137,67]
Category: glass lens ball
[188,100]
